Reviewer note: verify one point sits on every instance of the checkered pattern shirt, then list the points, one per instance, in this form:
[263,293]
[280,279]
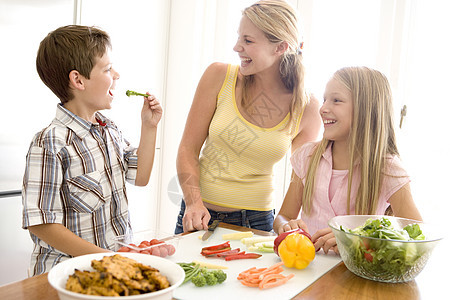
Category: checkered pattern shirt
[75,176]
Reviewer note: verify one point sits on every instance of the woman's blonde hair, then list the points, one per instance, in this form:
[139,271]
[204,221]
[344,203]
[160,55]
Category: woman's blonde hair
[372,137]
[278,20]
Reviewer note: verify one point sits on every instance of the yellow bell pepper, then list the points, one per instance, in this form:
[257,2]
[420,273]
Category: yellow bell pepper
[296,250]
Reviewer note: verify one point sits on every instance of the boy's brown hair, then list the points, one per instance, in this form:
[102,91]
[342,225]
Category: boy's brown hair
[72,47]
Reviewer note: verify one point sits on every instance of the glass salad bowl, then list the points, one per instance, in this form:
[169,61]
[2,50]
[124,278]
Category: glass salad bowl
[384,248]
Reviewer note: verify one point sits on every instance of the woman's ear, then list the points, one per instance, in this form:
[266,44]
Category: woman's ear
[282,47]
[76,80]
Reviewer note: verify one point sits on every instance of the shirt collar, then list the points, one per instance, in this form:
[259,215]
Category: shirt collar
[327,155]
[78,125]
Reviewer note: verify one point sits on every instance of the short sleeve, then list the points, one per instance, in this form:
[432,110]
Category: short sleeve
[42,181]
[395,177]
[131,159]
[300,159]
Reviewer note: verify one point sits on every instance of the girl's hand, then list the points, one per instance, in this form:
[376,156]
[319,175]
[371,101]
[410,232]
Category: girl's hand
[292,224]
[324,238]
[151,111]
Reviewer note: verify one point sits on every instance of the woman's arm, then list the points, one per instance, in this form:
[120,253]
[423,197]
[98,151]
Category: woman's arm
[196,216]
[309,125]
[287,217]
[403,204]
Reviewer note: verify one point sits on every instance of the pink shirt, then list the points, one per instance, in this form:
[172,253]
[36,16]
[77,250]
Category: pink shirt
[329,203]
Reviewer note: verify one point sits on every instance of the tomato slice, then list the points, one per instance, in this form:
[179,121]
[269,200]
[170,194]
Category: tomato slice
[124,249]
[368,255]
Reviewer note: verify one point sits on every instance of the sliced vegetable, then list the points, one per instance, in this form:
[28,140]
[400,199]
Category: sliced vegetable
[224,251]
[218,247]
[213,252]
[227,253]
[237,235]
[264,278]
[262,247]
[257,239]
[215,249]
[242,255]
[149,247]
[209,265]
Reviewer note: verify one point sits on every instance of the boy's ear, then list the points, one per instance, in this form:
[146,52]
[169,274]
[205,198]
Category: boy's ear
[282,47]
[76,80]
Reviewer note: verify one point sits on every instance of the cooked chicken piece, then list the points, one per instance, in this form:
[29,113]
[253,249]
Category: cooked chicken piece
[117,276]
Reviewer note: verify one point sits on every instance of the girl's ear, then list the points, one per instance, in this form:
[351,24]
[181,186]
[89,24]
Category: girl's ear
[76,80]
[282,47]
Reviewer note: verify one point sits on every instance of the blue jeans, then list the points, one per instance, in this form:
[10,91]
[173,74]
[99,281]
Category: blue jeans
[261,220]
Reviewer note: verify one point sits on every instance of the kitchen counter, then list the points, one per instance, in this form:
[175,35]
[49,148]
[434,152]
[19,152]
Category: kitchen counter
[337,283]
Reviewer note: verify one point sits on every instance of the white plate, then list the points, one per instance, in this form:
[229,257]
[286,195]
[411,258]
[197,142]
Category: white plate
[59,274]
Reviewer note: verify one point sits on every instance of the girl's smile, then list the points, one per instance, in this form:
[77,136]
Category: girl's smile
[337,111]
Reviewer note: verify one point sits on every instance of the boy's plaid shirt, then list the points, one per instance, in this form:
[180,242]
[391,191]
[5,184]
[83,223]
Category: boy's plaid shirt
[75,176]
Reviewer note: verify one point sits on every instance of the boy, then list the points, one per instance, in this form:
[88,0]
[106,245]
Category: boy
[74,194]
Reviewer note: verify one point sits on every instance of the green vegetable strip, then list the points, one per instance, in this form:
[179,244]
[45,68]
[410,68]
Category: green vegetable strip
[133,93]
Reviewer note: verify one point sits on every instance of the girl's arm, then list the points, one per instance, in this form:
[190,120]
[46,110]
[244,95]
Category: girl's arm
[64,240]
[309,125]
[196,216]
[151,115]
[287,217]
[402,204]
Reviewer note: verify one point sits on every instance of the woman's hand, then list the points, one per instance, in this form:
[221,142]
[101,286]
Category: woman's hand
[291,225]
[196,217]
[324,238]
[151,111]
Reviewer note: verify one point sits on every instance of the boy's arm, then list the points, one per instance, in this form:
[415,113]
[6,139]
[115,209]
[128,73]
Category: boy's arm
[64,240]
[151,115]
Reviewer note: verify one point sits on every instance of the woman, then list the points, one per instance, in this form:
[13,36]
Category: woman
[245,118]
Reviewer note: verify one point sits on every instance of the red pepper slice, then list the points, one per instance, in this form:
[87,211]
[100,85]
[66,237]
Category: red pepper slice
[243,256]
[218,247]
[230,252]
[211,252]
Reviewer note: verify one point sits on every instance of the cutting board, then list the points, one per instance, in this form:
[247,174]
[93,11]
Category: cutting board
[189,249]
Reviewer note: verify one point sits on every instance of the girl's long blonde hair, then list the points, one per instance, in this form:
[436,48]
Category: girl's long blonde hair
[278,20]
[372,137]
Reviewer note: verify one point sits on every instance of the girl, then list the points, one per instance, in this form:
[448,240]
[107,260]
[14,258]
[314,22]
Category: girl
[355,169]
[244,119]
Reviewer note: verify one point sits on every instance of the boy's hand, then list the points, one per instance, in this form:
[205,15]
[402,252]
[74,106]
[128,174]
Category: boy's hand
[151,111]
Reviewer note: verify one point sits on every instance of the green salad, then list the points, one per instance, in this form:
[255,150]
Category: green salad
[384,256]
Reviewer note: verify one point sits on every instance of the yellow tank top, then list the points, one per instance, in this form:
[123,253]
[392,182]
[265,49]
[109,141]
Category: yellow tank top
[236,163]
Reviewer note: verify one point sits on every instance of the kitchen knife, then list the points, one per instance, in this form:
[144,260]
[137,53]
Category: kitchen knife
[210,231]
